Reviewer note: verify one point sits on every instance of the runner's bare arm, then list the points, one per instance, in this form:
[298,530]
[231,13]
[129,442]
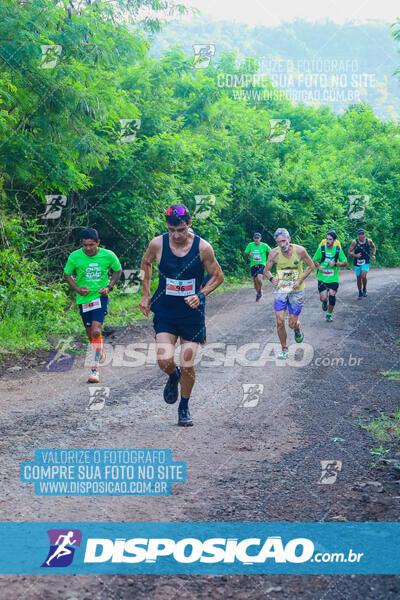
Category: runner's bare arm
[317,264]
[272,258]
[151,254]
[305,257]
[342,263]
[114,279]
[212,267]
[351,248]
[371,243]
[83,291]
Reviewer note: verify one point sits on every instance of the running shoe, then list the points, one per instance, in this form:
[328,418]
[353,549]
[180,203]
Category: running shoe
[360,295]
[184,418]
[325,305]
[298,335]
[329,318]
[258,295]
[94,376]
[284,353]
[364,293]
[171,389]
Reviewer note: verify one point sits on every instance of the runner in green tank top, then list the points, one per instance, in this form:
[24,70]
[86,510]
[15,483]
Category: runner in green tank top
[288,285]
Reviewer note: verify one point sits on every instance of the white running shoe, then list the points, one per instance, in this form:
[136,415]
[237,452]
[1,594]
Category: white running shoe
[94,376]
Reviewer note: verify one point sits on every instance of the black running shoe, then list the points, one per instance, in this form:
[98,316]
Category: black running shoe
[364,293]
[184,418]
[325,305]
[171,390]
[360,295]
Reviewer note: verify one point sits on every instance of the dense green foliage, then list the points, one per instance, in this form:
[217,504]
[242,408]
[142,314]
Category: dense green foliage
[369,48]
[60,133]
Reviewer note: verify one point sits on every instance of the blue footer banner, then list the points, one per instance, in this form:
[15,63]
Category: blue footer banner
[200,548]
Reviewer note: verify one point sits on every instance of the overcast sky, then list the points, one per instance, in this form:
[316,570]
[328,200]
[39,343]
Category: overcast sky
[273,12]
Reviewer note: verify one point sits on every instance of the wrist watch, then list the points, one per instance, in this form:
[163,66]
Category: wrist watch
[201,297]
[271,278]
[110,287]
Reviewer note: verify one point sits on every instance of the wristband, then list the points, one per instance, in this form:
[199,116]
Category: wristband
[271,278]
[201,297]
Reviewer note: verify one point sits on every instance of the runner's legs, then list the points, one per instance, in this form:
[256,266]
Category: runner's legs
[165,350]
[187,357]
[331,306]
[363,278]
[294,322]
[280,326]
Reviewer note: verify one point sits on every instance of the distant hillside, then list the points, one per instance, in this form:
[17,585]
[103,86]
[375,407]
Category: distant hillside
[316,63]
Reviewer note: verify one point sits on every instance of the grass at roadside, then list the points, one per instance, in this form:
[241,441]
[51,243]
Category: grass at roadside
[391,375]
[385,428]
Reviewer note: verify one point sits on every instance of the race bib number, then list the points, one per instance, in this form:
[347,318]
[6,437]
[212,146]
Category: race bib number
[328,272]
[180,287]
[91,305]
[256,257]
[360,262]
[286,280]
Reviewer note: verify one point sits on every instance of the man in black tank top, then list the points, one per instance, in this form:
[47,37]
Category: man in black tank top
[360,249]
[178,304]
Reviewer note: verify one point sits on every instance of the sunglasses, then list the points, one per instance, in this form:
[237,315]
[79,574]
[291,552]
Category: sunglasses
[175,210]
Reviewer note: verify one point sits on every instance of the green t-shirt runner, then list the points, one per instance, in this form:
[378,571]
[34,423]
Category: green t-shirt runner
[258,253]
[329,274]
[91,271]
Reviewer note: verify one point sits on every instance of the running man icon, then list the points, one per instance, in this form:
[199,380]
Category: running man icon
[61,552]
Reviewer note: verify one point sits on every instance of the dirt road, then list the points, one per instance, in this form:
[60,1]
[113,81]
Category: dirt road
[253,457]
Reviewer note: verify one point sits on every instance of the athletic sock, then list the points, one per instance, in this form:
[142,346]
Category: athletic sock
[174,375]
[97,346]
[184,403]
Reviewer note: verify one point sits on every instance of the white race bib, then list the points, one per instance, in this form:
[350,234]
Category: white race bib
[360,261]
[180,287]
[91,305]
[286,280]
[286,286]
[328,272]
